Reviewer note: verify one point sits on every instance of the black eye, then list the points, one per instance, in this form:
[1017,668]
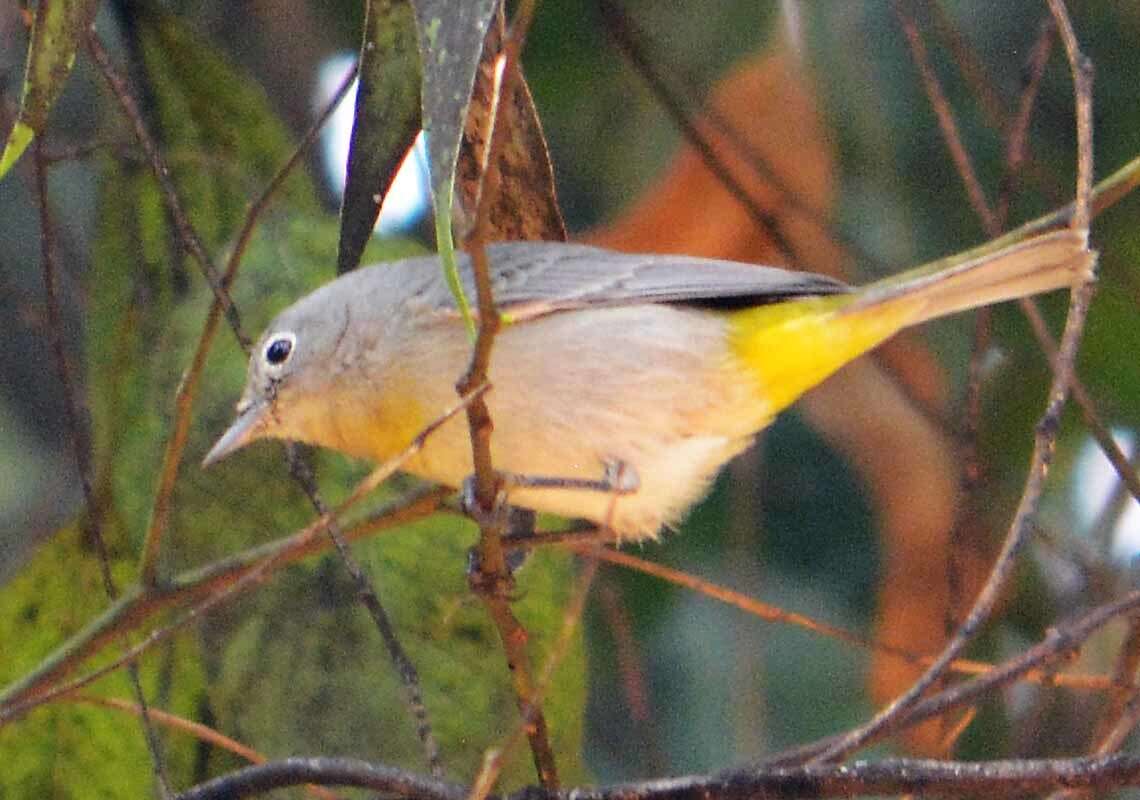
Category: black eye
[277,352]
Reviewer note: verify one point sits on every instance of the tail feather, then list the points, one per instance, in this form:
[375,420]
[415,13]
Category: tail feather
[1056,260]
[787,348]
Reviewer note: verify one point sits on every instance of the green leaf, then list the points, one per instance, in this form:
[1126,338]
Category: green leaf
[68,750]
[57,33]
[451,39]
[386,122]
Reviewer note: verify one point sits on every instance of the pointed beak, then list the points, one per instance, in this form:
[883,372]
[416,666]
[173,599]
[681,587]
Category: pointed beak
[238,435]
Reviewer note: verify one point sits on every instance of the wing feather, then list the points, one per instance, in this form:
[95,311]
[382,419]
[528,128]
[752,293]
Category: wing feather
[531,279]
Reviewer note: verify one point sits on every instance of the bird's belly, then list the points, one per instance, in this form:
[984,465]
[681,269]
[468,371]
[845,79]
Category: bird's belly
[577,393]
[670,475]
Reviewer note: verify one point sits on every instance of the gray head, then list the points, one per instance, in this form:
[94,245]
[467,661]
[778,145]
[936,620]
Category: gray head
[302,355]
[279,364]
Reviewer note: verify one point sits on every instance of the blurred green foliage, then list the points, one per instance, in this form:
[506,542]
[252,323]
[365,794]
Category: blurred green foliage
[296,666]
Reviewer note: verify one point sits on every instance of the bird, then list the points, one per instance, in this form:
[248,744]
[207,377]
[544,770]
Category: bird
[657,368]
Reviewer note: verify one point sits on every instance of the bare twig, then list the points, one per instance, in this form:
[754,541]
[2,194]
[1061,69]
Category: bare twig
[971,475]
[188,386]
[369,598]
[1018,130]
[556,654]
[135,608]
[1059,644]
[1047,427]
[187,389]
[1123,712]
[202,733]
[493,579]
[1125,469]
[772,614]
[76,419]
[946,121]
[990,779]
[188,236]
[186,233]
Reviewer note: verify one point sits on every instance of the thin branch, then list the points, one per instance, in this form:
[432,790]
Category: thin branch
[229,586]
[366,593]
[1125,469]
[772,614]
[1044,439]
[135,607]
[946,121]
[77,424]
[972,469]
[571,617]
[202,733]
[1123,712]
[188,386]
[992,779]
[991,99]
[618,26]
[187,389]
[1017,132]
[349,772]
[492,580]
[1058,645]
[187,235]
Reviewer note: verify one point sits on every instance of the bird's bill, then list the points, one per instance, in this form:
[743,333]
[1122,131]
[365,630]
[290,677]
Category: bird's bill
[243,431]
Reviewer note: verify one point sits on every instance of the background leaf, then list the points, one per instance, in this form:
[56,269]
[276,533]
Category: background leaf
[386,122]
[57,34]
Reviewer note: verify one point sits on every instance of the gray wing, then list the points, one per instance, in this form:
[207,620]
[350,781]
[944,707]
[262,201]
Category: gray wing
[536,278]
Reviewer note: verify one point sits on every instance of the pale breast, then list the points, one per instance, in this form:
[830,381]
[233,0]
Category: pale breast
[650,387]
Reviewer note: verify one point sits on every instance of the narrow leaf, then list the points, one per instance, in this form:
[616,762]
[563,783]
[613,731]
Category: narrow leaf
[386,122]
[525,207]
[57,33]
[451,42]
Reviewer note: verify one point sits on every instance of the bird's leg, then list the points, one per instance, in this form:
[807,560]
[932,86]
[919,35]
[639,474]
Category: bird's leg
[618,478]
[586,533]
[512,520]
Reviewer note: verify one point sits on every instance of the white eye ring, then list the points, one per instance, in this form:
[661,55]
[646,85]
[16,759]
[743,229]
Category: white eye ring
[278,350]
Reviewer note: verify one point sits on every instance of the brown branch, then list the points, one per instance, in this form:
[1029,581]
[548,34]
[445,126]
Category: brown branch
[1123,712]
[972,468]
[202,733]
[992,779]
[1046,433]
[135,607]
[1125,470]
[946,122]
[772,614]
[77,424]
[187,389]
[492,580]
[1058,645]
[571,617]
[1018,130]
[188,236]
[366,593]
[188,386]
[220,577]
[1015,157]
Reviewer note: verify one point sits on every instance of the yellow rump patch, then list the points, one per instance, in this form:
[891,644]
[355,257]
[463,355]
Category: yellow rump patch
[787,348]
